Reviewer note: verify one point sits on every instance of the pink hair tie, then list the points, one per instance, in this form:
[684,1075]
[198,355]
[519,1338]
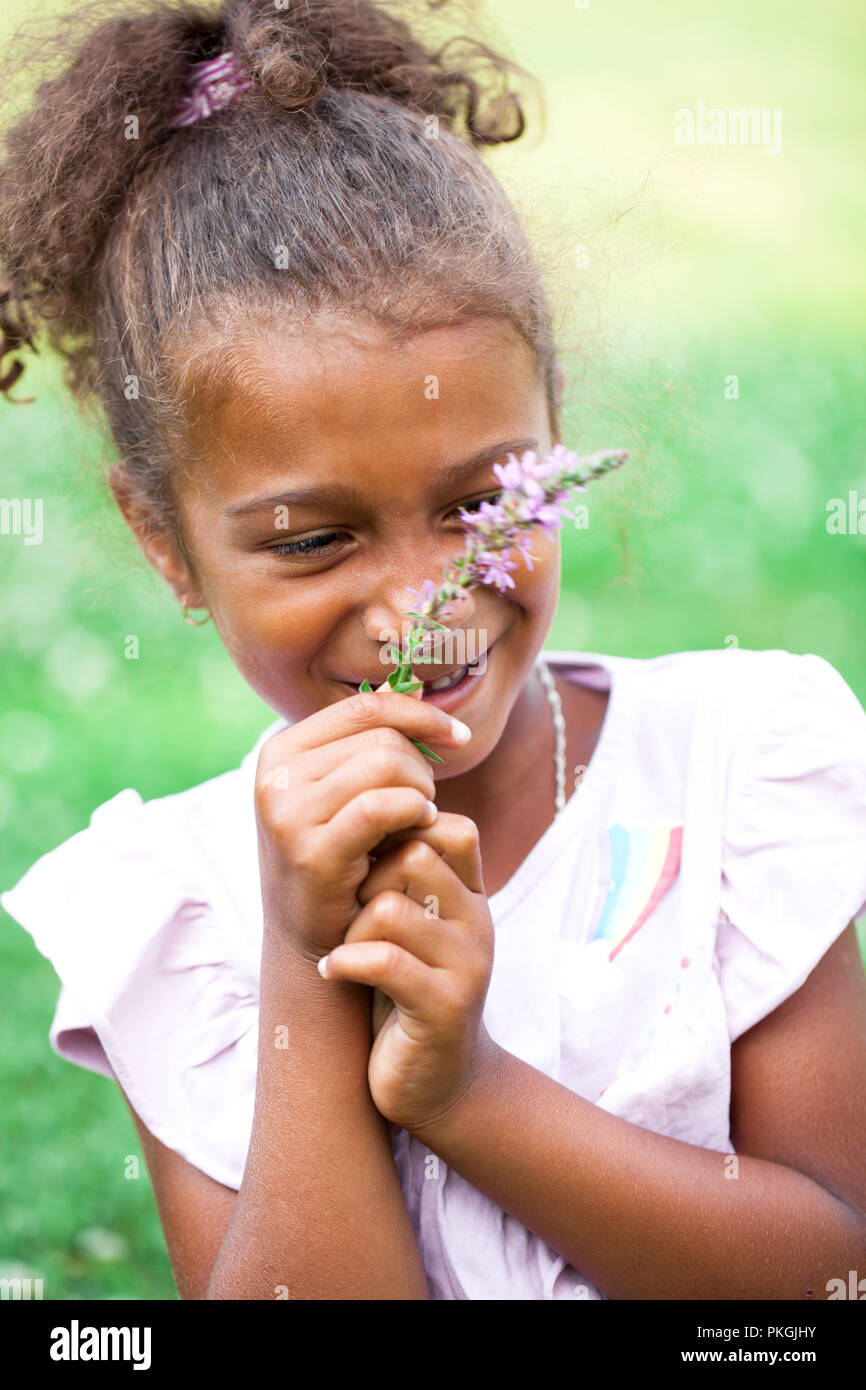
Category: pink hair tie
[211,86]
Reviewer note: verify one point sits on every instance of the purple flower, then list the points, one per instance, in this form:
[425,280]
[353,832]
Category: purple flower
[560,460]
[522,543]
[425,594]
[494,569]
[532,489]
[549,517]
[533,493]
[510,474]
[488,516]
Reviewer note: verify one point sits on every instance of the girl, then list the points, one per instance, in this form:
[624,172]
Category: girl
[619,1043]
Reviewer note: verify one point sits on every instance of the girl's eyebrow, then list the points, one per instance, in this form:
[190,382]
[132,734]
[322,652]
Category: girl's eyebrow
[328,495]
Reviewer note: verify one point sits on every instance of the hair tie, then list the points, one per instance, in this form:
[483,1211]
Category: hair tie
[211,86]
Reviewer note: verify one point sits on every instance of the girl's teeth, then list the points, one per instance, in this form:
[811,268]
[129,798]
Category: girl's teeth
[446,682]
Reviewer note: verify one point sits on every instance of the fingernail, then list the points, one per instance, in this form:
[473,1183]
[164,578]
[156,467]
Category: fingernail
[461,731]
[434,808]
[322,967]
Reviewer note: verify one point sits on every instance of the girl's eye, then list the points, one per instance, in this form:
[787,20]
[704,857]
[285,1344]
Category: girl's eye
[321,544]
[309,545]
[475,503]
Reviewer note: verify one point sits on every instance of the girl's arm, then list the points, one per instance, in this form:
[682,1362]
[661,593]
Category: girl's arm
[320,1213]
[648,1217]
[194,1210]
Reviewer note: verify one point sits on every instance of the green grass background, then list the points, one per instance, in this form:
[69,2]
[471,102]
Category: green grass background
[701,262]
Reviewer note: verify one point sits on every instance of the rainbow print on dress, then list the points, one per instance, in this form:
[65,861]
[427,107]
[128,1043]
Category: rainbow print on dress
[638,866]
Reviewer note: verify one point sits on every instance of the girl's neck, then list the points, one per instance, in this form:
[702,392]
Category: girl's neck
[511,795]
[526,741]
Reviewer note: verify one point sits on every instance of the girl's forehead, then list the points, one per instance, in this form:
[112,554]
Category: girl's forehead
[403,485]
[333,408]
[272,363]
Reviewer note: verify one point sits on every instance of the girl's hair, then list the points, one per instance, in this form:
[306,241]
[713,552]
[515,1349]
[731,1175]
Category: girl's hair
[346,180]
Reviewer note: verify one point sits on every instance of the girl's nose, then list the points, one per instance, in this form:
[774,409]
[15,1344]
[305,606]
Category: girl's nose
[385,619]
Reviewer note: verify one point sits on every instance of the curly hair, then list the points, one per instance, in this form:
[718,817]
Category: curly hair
[347,178]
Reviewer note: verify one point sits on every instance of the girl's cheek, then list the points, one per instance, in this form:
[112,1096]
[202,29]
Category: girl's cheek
[538,582]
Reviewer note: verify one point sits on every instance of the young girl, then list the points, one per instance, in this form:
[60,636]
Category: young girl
[619,1042]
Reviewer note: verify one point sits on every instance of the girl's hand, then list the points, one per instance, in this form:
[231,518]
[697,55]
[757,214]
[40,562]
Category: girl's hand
[327,791]
[425,939]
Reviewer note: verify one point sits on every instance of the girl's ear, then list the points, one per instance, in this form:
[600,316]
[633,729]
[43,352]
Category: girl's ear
[157,542]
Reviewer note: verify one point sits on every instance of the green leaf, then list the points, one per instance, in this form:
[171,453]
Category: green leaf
[428,752]
[428,622]
[365,686]
[407,688]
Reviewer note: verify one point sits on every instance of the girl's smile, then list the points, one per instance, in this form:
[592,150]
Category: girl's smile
[446,688]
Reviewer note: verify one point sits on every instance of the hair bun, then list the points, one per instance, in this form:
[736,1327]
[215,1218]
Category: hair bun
[289,62]
[294,53]
[91,167]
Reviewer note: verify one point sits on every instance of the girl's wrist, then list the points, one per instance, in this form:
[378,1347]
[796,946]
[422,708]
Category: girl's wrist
[289,967]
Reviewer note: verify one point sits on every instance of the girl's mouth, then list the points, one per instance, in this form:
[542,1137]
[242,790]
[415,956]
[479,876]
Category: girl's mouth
[450,690]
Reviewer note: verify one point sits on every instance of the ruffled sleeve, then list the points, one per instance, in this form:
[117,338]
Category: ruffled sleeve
[794,843]
[152,992]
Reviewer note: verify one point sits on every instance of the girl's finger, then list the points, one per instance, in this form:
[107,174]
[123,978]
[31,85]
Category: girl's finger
[418,870]
[359,713]
[317,762]
[356,829]
[392,916]
[314,764]
[371,767]
[414,987]
[453,836]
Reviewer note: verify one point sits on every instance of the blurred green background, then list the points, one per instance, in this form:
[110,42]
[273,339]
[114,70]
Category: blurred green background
[675,268]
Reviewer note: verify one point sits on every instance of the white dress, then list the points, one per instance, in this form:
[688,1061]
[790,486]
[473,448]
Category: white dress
[710,855]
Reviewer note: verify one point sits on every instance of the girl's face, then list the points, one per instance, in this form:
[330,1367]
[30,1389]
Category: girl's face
[329,483]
